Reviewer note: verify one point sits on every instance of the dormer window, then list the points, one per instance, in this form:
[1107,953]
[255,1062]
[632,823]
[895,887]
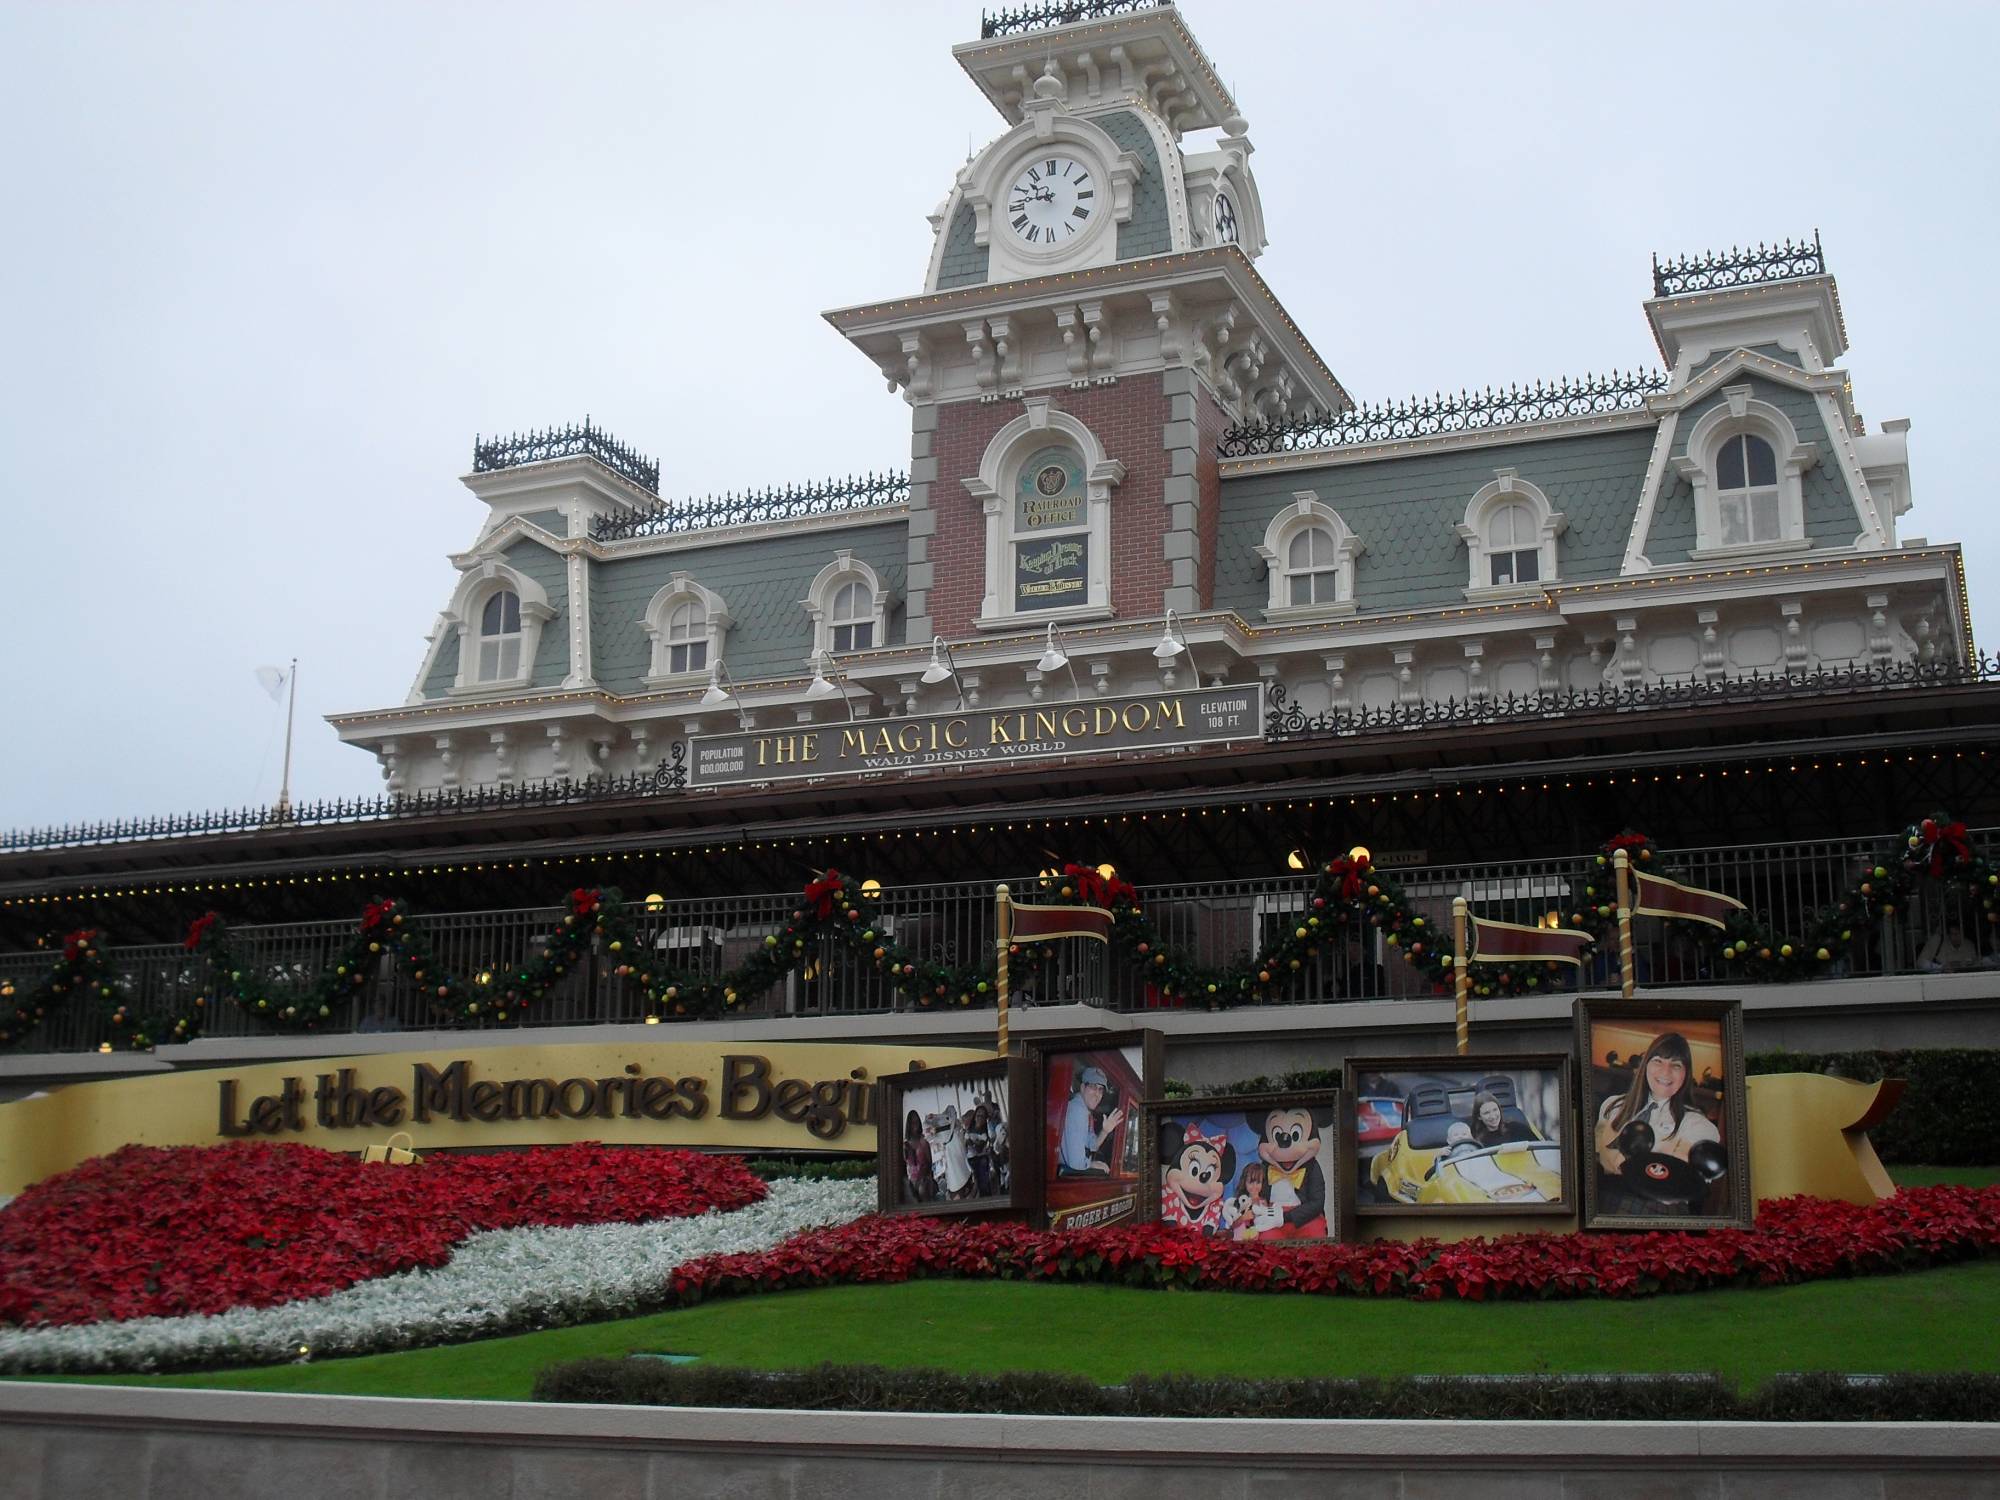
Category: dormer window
[1746,466]
[687,637]
[1513,546]
[1746,490]
[500,637]
[848,606]
[685,622]
[1310,553]
[852,618]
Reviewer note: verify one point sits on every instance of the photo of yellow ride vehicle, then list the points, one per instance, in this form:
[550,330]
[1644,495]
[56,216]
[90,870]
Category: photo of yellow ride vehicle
[1474,1138]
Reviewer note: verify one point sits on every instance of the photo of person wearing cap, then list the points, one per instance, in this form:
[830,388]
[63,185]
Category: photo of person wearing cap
[1084,1130]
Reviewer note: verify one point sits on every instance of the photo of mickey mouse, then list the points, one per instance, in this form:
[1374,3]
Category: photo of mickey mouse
[1249,1167]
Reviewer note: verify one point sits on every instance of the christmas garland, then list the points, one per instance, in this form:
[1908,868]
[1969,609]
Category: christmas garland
[1933,851]
[1348,895]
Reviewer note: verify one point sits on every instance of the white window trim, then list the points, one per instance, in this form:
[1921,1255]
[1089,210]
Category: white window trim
[1743,413]
[993,488]
[469,601]
[1307,511]
[818,602]
[1507,487]
[679,589]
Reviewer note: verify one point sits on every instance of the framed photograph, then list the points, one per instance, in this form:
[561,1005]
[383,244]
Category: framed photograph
[1252,1166]
[1492,1134]
[1663,1114]
[1085,1093]
[946,1138]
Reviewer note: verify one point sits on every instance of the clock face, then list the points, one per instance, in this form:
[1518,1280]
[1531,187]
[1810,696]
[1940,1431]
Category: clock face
[1051,201]
[1225,220]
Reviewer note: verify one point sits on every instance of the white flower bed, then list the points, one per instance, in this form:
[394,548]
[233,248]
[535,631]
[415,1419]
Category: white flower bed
[503,1281]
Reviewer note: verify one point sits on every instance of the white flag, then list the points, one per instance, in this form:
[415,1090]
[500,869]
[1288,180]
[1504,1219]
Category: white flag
[272,680]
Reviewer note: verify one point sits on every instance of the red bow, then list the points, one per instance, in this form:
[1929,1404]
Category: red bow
[1194,1133]
[583,903]
[1348,873]
[377,913]
[1627,841]
[822,893]
[1942,837]
[199,929]
[74,943]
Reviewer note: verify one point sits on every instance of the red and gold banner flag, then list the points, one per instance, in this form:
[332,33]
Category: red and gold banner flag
[1509,942]
[1661,897]
[1040,922]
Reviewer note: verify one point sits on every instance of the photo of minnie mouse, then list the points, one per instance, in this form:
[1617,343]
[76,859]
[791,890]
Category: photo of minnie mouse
[1251,1166]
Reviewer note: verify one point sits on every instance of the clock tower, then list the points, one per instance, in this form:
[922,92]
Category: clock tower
[1091,321]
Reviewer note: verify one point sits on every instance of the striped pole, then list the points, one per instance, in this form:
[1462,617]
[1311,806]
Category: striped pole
[1002,925]
[1461,973]
[1623,863]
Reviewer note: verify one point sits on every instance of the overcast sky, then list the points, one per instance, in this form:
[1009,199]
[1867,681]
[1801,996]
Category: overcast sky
[269,267]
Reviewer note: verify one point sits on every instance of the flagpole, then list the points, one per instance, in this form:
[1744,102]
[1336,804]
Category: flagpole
[1002,922]
[1623,864]
[1461,973]
[285,784]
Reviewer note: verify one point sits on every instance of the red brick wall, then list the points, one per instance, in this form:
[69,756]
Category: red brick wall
[1129,419]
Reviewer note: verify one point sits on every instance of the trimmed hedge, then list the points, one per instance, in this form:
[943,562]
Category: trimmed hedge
[817,1169]
[1648,1398]
[1950,1116]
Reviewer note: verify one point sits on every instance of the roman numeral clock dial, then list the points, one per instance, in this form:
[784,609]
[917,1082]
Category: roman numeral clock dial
[1051,201]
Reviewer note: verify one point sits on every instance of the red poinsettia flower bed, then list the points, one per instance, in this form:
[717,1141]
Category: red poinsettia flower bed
[1795,1239]
[149,1231]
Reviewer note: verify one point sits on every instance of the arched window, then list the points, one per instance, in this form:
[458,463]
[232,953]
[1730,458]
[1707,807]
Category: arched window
[1513,545]
[1510,532]
[852,618]
[685,622]
[1310,554]
[500,637]
[848,606]
[687,637]
[1311,568]
[1746,466]
[1746,490]
[1045,483]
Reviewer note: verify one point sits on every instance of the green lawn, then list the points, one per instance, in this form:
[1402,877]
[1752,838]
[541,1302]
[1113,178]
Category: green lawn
[1937,1320]
[1935,1176]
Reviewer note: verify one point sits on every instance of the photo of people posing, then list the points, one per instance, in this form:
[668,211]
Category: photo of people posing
[1462,1134]
[1090,1091]
[1664,1109]
[1249,1167]
[946,1145]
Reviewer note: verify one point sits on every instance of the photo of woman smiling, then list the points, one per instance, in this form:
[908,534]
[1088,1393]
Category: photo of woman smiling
[1660,1112]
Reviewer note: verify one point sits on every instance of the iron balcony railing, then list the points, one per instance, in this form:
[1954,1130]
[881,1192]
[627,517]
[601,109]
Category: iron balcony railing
[1028,18]
[1286,720]
[1733,267]
[1217,923]
[789,502]
[587,441]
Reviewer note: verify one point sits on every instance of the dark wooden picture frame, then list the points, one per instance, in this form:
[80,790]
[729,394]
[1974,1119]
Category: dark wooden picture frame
[1336,1188]
[1053,1200]
[1004,1080]
[1618,1201]
[1475,1070]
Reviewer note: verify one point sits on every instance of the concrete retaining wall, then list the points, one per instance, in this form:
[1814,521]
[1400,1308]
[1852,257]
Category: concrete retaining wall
[58,1442]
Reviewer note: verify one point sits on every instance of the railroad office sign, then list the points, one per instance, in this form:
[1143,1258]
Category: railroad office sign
[1036,731]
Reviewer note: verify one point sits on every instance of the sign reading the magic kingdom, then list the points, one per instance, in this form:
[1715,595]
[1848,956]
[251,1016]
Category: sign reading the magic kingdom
[1035,731]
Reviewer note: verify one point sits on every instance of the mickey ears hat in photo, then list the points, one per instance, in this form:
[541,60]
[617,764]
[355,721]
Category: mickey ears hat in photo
[1092,1075]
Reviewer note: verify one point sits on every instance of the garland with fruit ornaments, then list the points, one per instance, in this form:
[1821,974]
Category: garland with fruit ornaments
[1347,895]
[1933,850]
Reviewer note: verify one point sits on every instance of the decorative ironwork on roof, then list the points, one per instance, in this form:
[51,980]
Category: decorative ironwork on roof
[1468,411]
[789,503]
[1702,273]
[489,454]
[1055,13]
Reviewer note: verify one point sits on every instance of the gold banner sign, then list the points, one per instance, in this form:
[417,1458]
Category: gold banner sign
[1092,726]
[781,1096]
